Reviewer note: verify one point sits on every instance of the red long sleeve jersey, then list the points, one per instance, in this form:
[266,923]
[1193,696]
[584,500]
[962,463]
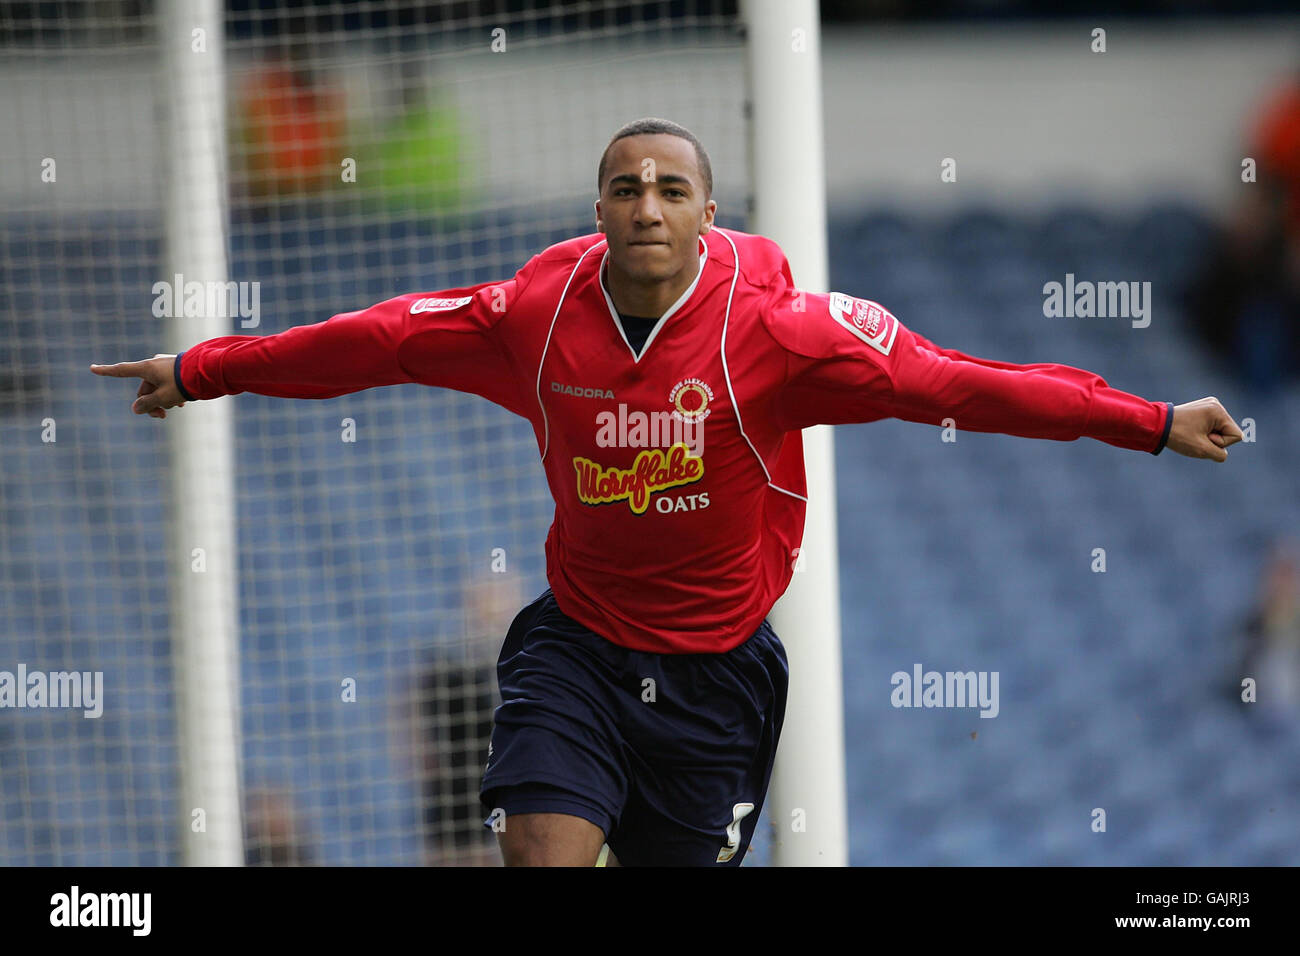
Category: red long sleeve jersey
[677,474]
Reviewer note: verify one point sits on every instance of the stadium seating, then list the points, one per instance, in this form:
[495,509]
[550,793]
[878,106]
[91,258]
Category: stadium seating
[1112,686]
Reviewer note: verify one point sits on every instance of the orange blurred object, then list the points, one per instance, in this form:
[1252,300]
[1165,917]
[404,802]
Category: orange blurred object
[291,131]
[1276,141]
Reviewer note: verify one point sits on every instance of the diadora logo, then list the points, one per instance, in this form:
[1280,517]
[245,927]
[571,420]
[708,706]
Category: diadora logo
[869,321]
[438,305]
[578,391]
[690,400]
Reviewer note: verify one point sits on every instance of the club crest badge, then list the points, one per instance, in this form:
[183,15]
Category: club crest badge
[690,400]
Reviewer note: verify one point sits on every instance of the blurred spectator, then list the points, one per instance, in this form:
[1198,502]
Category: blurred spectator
[450,709]
[1245,304]
[1270,638]
[271,832]
[290,125]
[415,151]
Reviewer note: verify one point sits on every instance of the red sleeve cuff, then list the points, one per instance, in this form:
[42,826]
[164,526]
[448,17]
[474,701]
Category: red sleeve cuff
[198,369]
[1129,421]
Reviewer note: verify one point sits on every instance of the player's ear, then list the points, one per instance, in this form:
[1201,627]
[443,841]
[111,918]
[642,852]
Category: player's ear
[600,226]
[707,223]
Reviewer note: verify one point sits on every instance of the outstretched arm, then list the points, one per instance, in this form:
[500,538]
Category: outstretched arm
[1200,429]
[446,339]
[851,360]
[347,353]
[1041,400]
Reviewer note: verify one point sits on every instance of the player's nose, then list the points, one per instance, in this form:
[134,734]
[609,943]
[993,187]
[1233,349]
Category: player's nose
[647,210]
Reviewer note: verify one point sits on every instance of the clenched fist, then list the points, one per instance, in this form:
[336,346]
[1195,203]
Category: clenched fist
[158,391]
[1203,429]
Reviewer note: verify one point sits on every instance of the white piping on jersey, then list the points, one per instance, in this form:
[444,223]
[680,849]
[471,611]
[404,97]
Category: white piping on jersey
[618,323]
[546,422]
[726,372]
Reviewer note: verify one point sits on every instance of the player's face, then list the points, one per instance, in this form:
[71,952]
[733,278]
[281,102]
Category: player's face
[652,207]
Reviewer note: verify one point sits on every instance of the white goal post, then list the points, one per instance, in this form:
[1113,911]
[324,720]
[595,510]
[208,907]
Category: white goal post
[201,539]
[297,651]
[806,803]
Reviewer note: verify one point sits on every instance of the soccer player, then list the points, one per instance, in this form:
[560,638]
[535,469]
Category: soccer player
[643,692]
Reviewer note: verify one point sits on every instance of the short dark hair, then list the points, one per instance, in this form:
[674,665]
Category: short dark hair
[652,124]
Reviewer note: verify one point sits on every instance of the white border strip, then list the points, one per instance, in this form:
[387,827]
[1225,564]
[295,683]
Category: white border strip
[727,374]
[546,422]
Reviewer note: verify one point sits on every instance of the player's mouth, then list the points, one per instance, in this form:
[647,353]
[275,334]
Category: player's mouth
[647,243]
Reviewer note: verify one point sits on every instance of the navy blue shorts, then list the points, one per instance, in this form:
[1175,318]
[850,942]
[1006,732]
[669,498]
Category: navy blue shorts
[669,754]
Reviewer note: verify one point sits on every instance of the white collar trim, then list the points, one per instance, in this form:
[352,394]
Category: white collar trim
[613,312]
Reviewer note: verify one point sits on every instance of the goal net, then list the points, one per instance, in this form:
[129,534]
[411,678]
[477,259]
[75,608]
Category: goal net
[385,539]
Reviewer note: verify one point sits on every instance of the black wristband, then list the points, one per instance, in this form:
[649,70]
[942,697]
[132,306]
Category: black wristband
[1164,436]
[176,371]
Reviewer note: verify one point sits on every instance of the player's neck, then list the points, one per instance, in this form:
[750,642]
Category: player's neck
[650,299]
